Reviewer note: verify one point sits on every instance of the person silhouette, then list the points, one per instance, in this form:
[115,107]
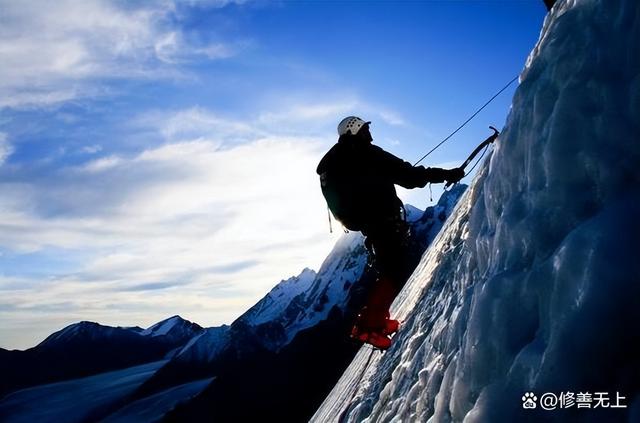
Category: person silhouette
[358,181]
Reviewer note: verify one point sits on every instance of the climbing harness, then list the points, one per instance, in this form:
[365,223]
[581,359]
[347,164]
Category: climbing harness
[467,121]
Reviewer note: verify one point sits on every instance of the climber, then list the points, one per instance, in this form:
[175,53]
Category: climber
[358,181]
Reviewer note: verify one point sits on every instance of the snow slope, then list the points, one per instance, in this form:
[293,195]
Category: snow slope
[154,407]
[75,400]
[532,284]
[205,346]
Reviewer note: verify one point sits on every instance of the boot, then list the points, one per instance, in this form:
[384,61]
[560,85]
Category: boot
[373,324]
[377,340]
[374,327]
[375,321]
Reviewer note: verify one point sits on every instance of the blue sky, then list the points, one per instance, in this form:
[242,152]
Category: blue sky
[158,158]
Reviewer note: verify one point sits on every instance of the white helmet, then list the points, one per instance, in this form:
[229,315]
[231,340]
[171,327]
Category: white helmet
[350,124]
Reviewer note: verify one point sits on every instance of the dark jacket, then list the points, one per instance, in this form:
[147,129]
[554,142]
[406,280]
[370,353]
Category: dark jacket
[358,181]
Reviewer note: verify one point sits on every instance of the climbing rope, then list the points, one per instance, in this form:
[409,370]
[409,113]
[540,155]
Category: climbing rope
[467,121]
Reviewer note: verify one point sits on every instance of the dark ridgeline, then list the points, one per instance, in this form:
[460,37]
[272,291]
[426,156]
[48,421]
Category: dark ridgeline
[85,349]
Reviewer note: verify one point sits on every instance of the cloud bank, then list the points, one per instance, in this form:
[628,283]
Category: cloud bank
[53,52]
[198,224]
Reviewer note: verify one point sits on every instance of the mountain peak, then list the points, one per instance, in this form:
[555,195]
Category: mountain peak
[76,330]
[174,326]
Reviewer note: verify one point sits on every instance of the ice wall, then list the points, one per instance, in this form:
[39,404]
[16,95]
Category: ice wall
[533,285]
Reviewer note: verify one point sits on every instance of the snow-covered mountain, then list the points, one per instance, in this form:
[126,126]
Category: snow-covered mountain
[301,304]
[292,305]
[205,346]
[87,348]
[525,307]
[273,305]
[174,328]
[84,332]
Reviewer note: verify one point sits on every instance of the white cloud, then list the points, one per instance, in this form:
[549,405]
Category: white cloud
[54,51]
[196,122]
[392,118]
[213,3]
[101,164]
[214,227]
[303,114]
[299,116]
[172,48]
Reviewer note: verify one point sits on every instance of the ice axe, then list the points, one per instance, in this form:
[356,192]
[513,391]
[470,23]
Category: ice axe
[478,149]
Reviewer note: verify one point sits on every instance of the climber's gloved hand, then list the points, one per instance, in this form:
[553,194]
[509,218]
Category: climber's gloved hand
[454,175]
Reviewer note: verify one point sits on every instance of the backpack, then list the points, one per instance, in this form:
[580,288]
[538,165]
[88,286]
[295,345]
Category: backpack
[342,197]
[357,187]
[345,184]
